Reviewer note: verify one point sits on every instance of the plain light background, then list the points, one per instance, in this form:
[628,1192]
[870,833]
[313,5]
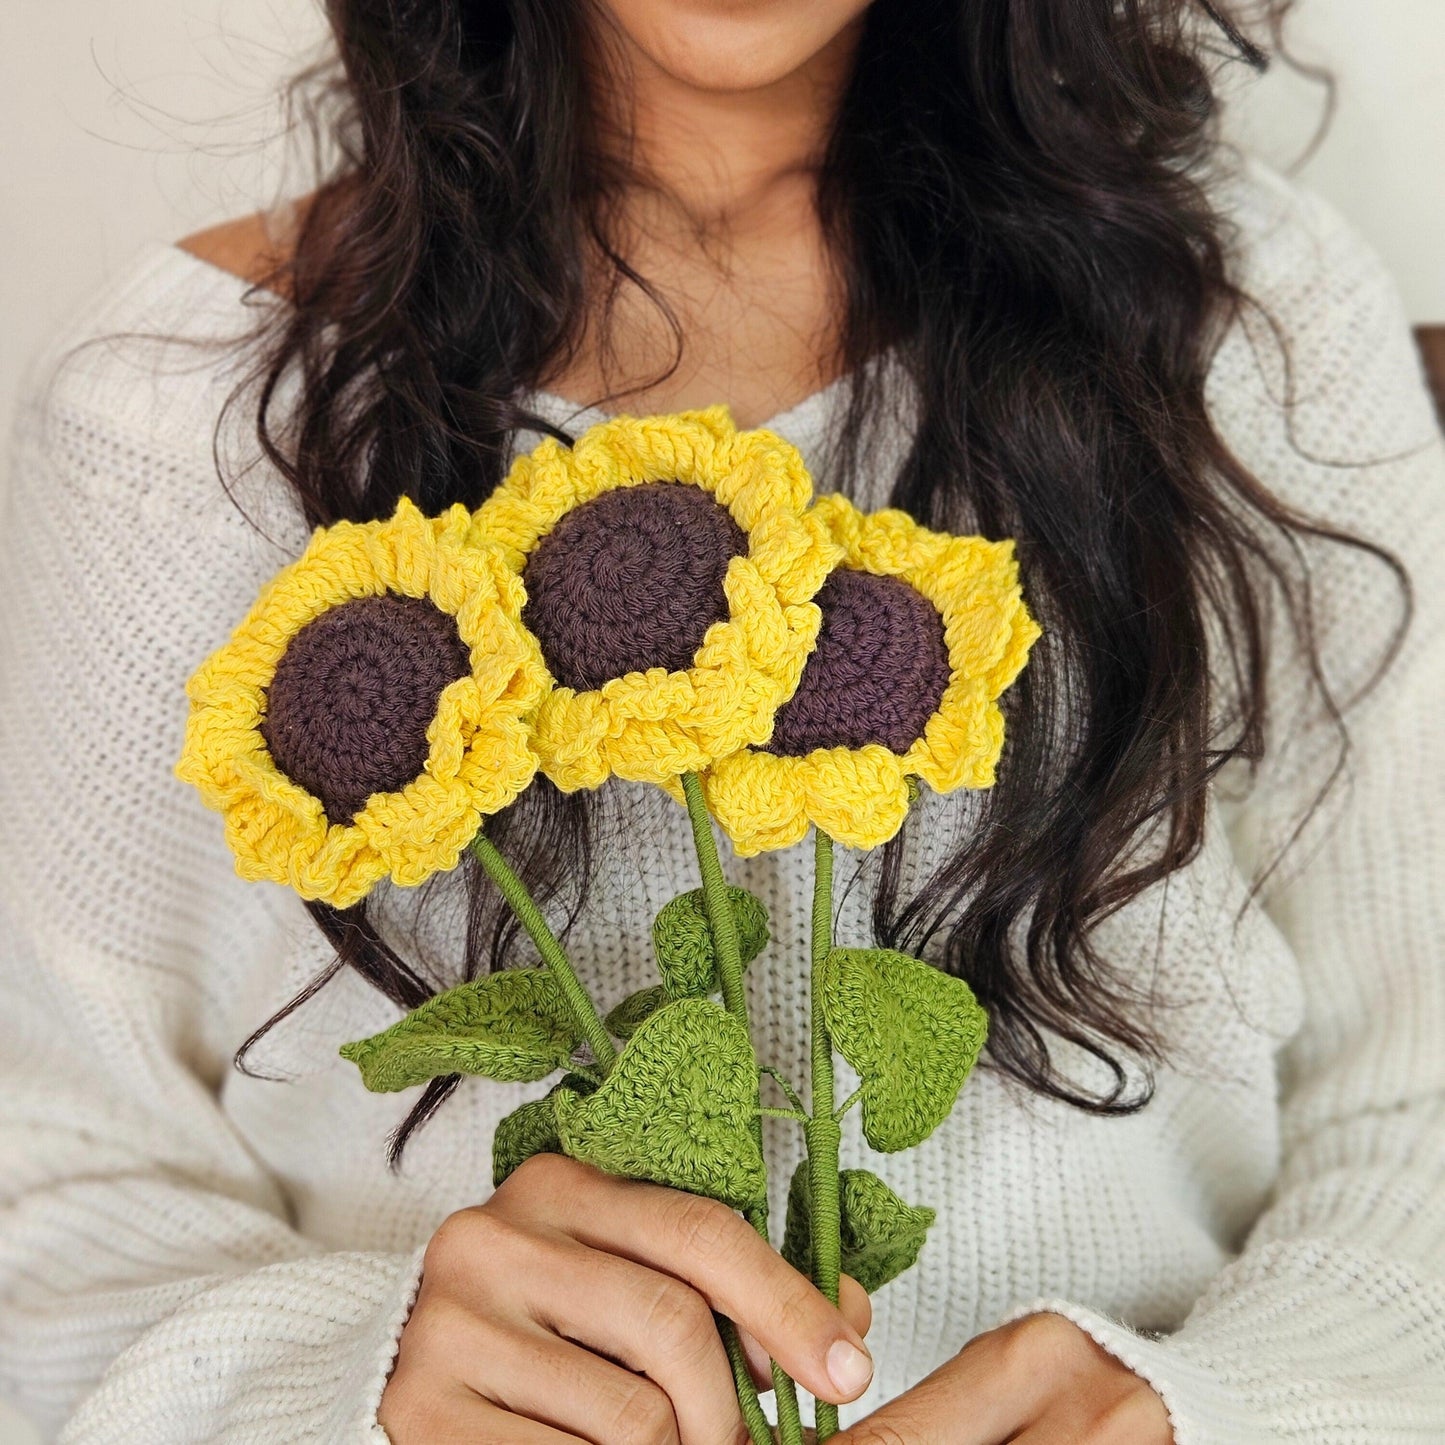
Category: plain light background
[152,118]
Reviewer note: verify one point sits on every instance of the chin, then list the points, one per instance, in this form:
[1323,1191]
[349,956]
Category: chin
[732,45]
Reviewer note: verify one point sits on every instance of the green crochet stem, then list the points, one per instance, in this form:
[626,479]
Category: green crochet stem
[822,1131]
[790,1418]
[785,1392]
[579,1001]
[758,1428]
[724,928]
[715,898]
[590,1026]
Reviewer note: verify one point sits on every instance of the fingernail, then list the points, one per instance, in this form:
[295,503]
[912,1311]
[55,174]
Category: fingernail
[849,1368]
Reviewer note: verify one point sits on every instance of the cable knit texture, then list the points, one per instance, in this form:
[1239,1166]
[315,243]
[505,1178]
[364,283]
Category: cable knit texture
[189,1254]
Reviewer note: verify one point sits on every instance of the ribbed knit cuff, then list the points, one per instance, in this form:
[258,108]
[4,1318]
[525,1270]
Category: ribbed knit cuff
[361,1389]
[1203,1409]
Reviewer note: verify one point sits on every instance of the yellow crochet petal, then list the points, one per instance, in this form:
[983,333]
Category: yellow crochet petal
[644,697]
[858,797]
[861,796]
[961,745]
[420,830]
[1023,633]
[461,711]
[342,871]
[733,711]
[479,749]
[760,801]
[797,559]
[764,802]
[760,633]
[650,724]
[654,748]
[497,767]
[569,736]
[762,471]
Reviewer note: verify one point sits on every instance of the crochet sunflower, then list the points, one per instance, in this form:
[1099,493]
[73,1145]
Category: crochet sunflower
[370,710]
[921,633]
[671,564]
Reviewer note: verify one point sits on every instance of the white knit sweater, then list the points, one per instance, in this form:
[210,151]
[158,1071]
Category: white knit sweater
[189,1254]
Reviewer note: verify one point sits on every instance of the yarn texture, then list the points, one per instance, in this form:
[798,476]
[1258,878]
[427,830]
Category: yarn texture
[676,1108]
[651,725]
[190,1253]
[529,1130]
[882,1236]
[349,705]
[478,755]
[629,581]
[912,1032]
[513,1026]
[877,674]
[683,941]
[858,789]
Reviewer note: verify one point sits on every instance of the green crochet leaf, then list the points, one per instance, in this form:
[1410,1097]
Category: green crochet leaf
[797,1245]
[682,938]
[627,1017]
[530,1129]
[881,1235]
[677,1107]
[911,1031]
[512,1026]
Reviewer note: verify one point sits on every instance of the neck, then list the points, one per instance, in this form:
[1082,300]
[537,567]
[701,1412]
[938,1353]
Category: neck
[715,160]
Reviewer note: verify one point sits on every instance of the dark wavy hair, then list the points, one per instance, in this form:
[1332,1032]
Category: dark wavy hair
[1012,192]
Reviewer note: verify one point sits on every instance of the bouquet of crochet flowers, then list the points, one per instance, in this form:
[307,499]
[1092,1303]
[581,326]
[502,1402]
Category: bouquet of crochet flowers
[665,601]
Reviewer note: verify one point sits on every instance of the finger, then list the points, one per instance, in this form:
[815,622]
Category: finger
[458,1416]
[737,1271]
[760,1367]
[500,1427]
[855,1304]
[653,1323]
[1135,1417]
[535,1374]
[963,1402]
[856,1308]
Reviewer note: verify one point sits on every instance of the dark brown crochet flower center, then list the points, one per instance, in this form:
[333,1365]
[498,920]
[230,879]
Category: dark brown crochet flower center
[632,579]
[877,674]
[353,696]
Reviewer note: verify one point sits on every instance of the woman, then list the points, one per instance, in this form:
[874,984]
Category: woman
[982,260]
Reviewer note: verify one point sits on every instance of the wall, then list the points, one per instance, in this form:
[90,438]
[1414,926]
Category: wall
[152,118]
[125,121]
[1383,160]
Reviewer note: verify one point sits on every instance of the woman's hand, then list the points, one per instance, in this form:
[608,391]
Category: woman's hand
[574,1305]
[1038,1381]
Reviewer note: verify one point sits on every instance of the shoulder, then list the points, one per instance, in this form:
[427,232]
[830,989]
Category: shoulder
[172,311]
[255,248]
[141,405]
[158,347]
[124,561]
[1284,231]
[143,365]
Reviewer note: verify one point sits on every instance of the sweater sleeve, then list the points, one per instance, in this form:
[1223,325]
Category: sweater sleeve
[1329,1325]
[152,1285]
